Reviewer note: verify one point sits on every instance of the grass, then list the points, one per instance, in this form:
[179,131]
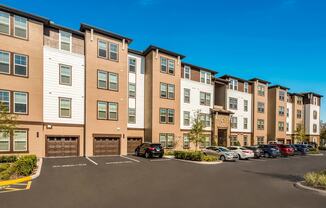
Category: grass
[316,179]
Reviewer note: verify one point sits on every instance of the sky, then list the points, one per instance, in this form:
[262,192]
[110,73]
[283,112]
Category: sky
[282,41]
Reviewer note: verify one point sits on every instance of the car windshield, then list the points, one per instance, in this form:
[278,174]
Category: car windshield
[223,149]
[242,148]
[156,145]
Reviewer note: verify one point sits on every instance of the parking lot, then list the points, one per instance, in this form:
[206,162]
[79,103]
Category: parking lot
[138,182]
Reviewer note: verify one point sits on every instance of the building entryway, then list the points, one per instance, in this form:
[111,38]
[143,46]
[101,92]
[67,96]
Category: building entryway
[222,136]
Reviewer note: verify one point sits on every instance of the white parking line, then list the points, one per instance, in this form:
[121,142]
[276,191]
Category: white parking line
[68,166]
[92,161]
[159,160]
[128,158]
[121,162]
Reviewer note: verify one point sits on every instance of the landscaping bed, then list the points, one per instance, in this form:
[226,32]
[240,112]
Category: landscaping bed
[194,156]
[316,179]
[13,167]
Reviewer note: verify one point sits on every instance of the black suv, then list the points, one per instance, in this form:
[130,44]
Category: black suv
[149,150]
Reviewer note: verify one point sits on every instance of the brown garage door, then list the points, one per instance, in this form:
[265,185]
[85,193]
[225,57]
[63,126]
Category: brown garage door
[62,146]
[106,146]
[132,144]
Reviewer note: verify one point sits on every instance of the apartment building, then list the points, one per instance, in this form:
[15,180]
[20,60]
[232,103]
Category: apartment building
[238,99]
[294,117]
[277,105]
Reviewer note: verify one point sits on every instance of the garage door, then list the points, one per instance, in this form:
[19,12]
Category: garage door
[62,146]
[106,146]
[132,144]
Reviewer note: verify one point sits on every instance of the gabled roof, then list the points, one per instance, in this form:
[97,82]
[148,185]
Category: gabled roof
[227,76]
[84,27]
[260,80]
[279,86]
[200,68]
[162,50]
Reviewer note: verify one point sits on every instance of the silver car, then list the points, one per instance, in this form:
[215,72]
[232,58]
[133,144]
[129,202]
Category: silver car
[221,152]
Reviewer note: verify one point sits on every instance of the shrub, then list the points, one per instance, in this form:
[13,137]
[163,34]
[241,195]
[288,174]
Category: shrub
[316,179]
[322,147]
[313,151]
[8,159]
[4,167]
[209,158]
[6,174]
[25,165]
[169,152]
[189,155]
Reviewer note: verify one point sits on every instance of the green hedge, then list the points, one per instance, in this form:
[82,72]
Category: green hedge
[322,147]
[210,158]
[189,155]
[8,159]
[23,166]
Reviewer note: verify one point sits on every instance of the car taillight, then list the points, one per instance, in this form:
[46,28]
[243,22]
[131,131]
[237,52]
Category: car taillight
[151,148]
[247,151]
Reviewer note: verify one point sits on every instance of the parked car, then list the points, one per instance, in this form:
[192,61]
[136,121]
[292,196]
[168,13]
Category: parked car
[221,152]
[258,153]
[243,153]
[149,150]
[270,151]
[300,149]
[285,149]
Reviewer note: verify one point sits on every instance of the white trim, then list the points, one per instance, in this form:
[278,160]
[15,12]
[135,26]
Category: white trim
[26,140]
[14,62]
[26,27]
[8,136]
[9,63]
[70,40]
[21,103]
[9,24]
[184,72]
[9,98]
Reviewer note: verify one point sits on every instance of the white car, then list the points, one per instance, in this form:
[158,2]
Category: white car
[242,152]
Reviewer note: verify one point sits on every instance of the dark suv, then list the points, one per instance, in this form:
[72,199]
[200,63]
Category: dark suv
[149,150]
[270,150]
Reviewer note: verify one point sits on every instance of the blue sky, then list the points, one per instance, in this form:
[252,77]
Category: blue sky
[283,41]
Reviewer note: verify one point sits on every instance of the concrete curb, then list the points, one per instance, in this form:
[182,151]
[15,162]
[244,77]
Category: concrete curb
[169,157]
[38,171]
[200,162]
[300,185]
[319,154]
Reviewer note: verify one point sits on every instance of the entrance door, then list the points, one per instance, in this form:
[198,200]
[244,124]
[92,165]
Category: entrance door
[222,137]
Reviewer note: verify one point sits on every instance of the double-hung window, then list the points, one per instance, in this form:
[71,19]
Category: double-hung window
[5,100]
[187,72]
[20,65]
[164,64]
[233,103]
[113,111]
[65,107]
[132,65]
[113,51]
[166,116]
[281,111]
[65,75]
[205,77]
[20,102]
[107,80]
[315,115]
[206,119]
[20,140]
[4,62]
[102,80]
[132,90]
[233,84]
[281,95]
[205,98]
[281,126]
[163,115]
[260,124]
[113,81]
[261,107]
[102,113]
[65,41]
[167,91]
[4,23]
[171,66]
[20,27]
[186,141]
[167,140]
[132,115]
[4,141]
[246,87]
[261,90]
[171,91]
[245,123]
[314,128]
[299,114]
[234,122]
[186,118]
[102,49]
[186,96]
[245,105]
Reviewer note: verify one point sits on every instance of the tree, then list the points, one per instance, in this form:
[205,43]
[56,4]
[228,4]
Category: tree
[7,120]
[196,133]
[300,135]
[323,134]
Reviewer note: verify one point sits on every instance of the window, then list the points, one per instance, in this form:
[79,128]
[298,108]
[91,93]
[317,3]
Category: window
[20,102]
[113,81]
[132,115]
[205,77]
[261,90]
[315,100]
[186,72]
[113,51]
[171,66]
[234,122]
[299,100]
[5,100]
[65,41]
[64,107]
[207,141]
[233,103]
[299,114]
[261,107]
[65,75]
[281,110]
[245,104]
[281,126]
[281,95]
[166,116]
[4,62]
[186,118]
[163,64]
[102,110]
[167,140]
[245,123]
[132,65]
[186,141]
[102,49]
[186,96]
[107,80]
[260,140]
[20,140]
[113,111]
[132,90]
[167,91]
[287,126]
[234,140]
[20,65]
[102,79]
[4,141]
[315,115]
[233,84]
[246,87]
[245,140]
[170,91]
[206,119]
[315,128]
[288,112]
[205,98]
[4,23]
[298,126]
[260,124]
[20,24]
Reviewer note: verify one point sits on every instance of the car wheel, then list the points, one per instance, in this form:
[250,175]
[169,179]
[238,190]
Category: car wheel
[239,156]
[137,153]
[222,158]
[266,155]
[147,155]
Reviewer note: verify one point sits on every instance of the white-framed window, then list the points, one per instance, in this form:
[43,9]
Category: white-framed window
[186,118]
[113,111]
[4,23]
[206,119]
[260,140]
[102,80]
[281,126]
[281,111]
[315,115]
[4,141]
[5,99]
[187,72]
[233,103]
[299,114]
[205,98]
[132,115]
[315,100]
[260,124]
[113,51]
[113,81]
[20,27]
[281,95]
[166,140]
[20,65]
[234,140]
[245,105]
[205,77]
[167,91]
[186,96]
[261,107]
[233,84]
[132,90]
[102,113]
[186,141]
[65,72]
[164,65]
[261,90]
[246,87]
[65,107]
[20,140]
[171,66]
[20,102]
[234,122]
[65,41]
[245,140]
[245,123]
[102,49]
[132,65]
[287,126]
[4,62]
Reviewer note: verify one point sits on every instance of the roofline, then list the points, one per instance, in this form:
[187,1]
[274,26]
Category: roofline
[295,94]
[135,52]
[162,50]
[199,67]
[24,14]
[279,86]
[233,77]
[84,27]
[60,27]
[223,81]
[315,94]
[260,80]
